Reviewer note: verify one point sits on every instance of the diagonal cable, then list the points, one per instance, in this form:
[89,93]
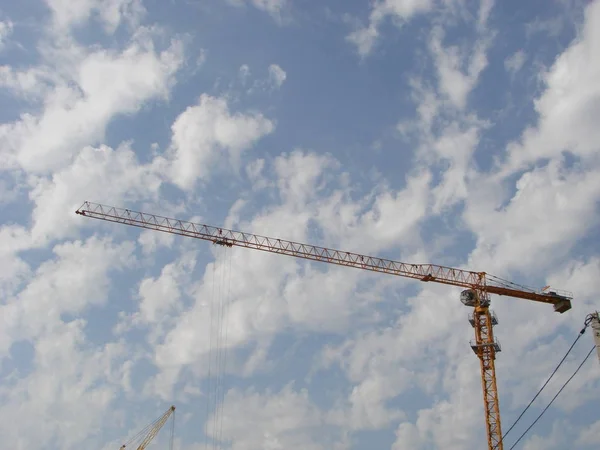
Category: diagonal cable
[554,398]
[546,383]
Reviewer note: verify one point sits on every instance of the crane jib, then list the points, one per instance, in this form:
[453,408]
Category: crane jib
[221,236]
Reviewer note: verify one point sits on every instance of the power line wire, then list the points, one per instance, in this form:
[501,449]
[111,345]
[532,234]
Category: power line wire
[554,398]
[544,385]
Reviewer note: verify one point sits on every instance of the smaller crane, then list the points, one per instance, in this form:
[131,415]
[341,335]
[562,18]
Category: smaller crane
[145,436]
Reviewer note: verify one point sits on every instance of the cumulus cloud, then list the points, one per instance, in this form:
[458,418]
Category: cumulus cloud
[69,390]
[68,284]
[6,28]
[112,13]
[453,82]
[208,133]
[244,73]
[283,419]
[515,62]
[501,230]
[78,107]
[275,8]
[364,38]
[55,199]
[568,105]
[277,75]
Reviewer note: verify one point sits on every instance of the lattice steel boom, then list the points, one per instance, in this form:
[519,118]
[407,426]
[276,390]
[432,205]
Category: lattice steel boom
[477,285]
[150,431]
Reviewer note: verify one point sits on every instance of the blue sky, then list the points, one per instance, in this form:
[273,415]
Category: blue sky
[455,132]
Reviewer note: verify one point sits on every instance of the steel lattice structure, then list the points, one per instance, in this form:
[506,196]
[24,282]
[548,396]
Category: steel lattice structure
[478,285]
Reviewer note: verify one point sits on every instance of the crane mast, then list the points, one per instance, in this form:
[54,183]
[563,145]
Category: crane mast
[476,294]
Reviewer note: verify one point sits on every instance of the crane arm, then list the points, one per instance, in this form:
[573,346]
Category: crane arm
[423,272]
[151,430]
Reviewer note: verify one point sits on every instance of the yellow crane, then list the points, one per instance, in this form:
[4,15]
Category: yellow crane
[149,432]
[476,294]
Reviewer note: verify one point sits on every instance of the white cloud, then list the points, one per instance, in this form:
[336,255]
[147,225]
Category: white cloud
[244,73]
[96,173]
[112,13]
[556,440]
[68,393]
[13,239]
[402,10]
[277,75]
[568,106]
[590,435]
[77,115]
[456,146]
[31,84]
[364,39]
[552,27]
[201,59]
[275,8]
[501,230]
[454,83]
[515,62]
[76,279]
[70,384]
[160,298]
[286,419]
[208,133]
[6,28]
[151,241]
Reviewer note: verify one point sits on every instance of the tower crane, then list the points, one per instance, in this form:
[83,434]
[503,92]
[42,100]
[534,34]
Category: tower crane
[145,436]
[476,294]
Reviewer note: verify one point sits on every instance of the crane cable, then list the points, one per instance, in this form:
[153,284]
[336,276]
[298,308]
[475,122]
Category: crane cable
[140,435]
[221,356]
[587,322]
[172,437]
[554,398]
[224,360]
[217,352]
[218,301]
[210,348]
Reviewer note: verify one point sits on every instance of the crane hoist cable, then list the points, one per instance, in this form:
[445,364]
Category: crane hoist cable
[225,304]
[478,286]
[210,349]
[217,353]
